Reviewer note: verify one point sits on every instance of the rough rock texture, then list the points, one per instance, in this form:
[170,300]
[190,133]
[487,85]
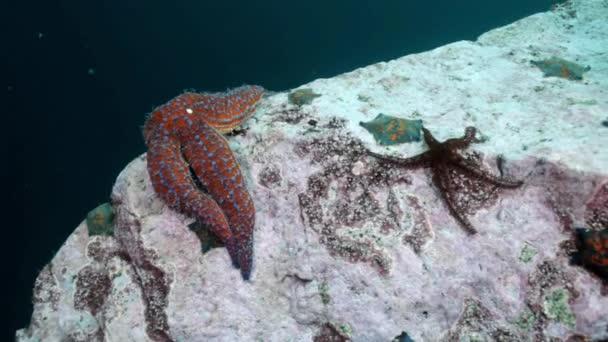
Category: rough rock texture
[349,249]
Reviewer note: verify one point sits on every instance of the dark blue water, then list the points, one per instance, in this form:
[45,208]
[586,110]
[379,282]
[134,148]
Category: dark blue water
[83,75]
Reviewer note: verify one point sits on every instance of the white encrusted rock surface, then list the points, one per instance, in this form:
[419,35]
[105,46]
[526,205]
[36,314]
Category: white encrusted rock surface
[347,248]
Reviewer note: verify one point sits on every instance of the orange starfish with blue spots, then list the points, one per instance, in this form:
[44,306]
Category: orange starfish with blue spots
[193,169]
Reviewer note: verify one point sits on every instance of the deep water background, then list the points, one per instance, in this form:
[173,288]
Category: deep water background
[83,75]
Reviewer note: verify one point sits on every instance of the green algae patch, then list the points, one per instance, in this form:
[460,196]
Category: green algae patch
[390,130]
[556,307]
[100,221]
[346,330]
[323,288]
[526,320]
[558,67]
[527,253]
[302,96]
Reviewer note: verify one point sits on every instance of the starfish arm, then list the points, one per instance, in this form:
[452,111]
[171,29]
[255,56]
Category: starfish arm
[422,159]
[225,111]
[430,139]
[216,167]
[171,180]
[207,211]
[478,172]
[440,178]
[469,135]
[464,142]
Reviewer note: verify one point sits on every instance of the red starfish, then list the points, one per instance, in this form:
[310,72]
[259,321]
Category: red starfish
[447,165]
[182,135]
[592,251]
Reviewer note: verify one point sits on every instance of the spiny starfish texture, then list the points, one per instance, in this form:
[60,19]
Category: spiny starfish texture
[453,173]
[186,150]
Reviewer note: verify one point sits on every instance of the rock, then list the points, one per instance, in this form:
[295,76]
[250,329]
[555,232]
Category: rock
[347,249]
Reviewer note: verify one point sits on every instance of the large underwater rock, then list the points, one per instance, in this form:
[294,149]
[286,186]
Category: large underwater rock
[349,249]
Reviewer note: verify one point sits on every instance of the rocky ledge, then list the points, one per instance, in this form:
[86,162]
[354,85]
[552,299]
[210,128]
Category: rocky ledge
[348,248]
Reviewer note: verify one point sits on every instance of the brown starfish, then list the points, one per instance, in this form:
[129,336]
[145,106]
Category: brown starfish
[447,164]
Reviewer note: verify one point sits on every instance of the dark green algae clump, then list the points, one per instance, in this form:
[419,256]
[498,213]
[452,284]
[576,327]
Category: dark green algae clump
[100,221]
[302,96]
[207,238]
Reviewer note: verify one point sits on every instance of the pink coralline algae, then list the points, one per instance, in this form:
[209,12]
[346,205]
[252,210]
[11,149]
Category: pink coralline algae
[596,209]
[344,199]
[193,170]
